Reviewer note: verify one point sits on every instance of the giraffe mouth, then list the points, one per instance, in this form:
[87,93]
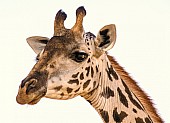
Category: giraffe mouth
[26,99]
[36,100]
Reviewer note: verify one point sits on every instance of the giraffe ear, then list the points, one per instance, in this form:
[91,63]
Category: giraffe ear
[37,43]
[106,37]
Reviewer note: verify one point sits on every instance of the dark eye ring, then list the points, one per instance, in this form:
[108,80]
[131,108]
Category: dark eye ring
[79,56]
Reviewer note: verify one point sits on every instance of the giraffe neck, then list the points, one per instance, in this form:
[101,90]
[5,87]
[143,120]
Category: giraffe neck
[113,100]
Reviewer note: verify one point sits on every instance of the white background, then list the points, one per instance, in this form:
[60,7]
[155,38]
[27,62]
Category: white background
[142,47]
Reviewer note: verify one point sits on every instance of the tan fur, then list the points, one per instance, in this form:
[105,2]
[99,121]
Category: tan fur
[142,96]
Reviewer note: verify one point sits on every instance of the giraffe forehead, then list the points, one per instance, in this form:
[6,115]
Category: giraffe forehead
[58,42]
[64,45]
[60,46]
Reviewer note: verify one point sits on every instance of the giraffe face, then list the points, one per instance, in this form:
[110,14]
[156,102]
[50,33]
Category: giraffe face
[65,66]
[67,63]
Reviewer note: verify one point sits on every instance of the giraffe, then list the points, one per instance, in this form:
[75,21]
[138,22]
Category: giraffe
[75,63]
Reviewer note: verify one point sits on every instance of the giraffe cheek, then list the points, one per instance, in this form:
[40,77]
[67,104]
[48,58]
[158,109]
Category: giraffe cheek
[61,90]
[63,94]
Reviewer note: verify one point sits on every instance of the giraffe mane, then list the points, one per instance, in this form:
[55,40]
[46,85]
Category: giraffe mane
[142,96]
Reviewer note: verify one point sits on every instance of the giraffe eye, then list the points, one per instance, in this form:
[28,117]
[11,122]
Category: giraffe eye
[79,56]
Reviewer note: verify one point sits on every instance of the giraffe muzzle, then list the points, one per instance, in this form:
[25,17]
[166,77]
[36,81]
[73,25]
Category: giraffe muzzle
[32,89]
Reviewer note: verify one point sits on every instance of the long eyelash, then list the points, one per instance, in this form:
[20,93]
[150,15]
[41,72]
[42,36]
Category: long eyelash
[37,58]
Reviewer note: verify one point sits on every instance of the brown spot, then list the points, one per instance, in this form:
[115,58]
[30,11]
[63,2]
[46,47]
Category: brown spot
[107,93]
[52,66]
[86,40]
[119,117]
[82,76]
[89,89]
[109,75]
[97,70]
[147,120]
[77,90]
[100,74]
[62,94]
[130,96]
[88,60]
[58,87]
[122,98]
[92,72]
[114,74]
[134,110]
[139,120]
[86,84]
[74,81]
[104,115]
[88,70]
[75,75]
[69,90]
[94,84]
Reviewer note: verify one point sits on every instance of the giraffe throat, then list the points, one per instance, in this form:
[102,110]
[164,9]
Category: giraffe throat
[113,100]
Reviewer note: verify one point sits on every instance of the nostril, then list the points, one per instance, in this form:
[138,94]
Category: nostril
[24,81]
[31,85]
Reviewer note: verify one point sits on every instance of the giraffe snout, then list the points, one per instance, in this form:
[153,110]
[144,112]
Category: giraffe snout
[30,91]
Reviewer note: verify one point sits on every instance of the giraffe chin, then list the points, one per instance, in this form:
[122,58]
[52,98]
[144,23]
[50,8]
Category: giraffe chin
[35,101]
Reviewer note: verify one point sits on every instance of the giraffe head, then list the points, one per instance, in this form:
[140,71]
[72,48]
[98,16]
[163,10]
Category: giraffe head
[67,64]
